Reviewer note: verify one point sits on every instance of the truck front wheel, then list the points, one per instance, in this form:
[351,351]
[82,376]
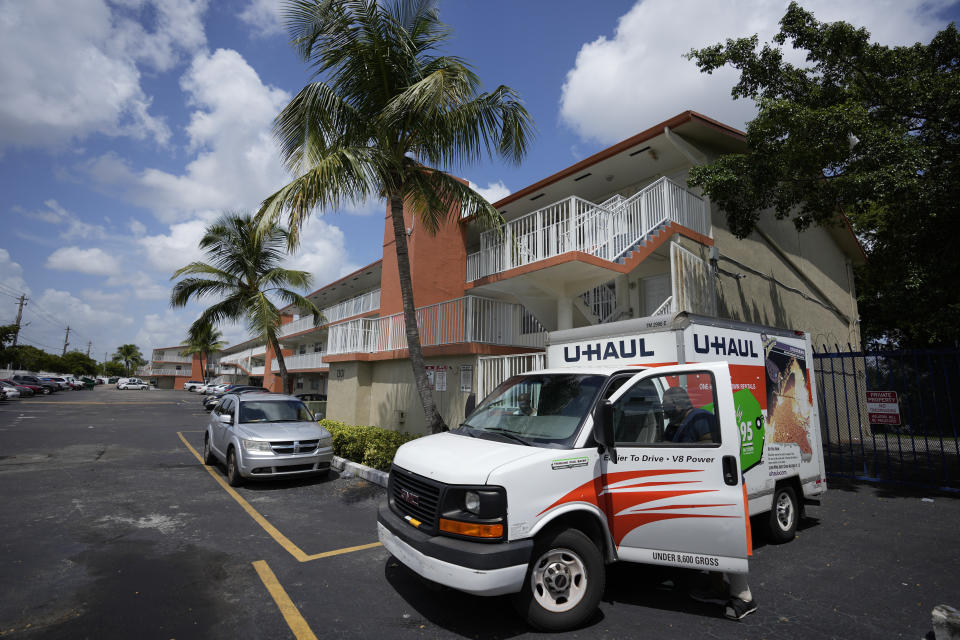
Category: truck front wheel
[564,582]
[783,515]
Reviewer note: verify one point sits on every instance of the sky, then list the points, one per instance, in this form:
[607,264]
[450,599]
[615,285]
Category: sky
[127,126]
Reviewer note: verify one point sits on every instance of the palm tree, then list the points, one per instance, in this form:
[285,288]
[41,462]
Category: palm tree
[203,340]
[244,273]
[389,111]
[130,356]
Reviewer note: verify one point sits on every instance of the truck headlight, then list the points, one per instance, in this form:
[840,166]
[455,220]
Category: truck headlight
[471,500]
[257,446]
[325,442]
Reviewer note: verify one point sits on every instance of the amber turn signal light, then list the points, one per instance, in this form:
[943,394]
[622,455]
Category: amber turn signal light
[471,529]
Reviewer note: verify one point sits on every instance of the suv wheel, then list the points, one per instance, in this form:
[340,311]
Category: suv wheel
[233,472]
[207,453]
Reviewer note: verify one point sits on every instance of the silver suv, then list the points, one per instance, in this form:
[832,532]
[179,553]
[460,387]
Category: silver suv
[266,435]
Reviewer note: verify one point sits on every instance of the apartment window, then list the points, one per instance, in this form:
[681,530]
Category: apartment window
[178,367]
[299,383]
[303,349]
[317,347]
[315,384]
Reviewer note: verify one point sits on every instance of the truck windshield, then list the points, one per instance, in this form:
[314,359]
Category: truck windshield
[274,411]
[542,409]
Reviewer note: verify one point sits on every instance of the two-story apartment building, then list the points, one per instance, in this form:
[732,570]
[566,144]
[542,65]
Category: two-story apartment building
[618,235]
[169,367]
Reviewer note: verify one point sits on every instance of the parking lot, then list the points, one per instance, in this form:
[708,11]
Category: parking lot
[110,527]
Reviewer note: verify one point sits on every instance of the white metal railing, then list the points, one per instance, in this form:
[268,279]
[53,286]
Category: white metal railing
[604,230]
[664,309]
[165,372]
[301,361]
[601,301]
[492,370]
[241,357]
[167,356]
[467,319]
[363,303]
[258,371]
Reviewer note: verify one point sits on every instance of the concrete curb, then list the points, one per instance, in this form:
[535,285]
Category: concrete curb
[361,471]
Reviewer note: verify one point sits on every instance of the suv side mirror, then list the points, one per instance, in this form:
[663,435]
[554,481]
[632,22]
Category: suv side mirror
[603,429]
[226,418]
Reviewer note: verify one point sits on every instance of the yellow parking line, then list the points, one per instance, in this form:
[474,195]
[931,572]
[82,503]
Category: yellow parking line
[271,530]
[299,627]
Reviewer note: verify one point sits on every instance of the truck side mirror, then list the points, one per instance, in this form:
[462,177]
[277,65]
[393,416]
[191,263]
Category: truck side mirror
[603,429]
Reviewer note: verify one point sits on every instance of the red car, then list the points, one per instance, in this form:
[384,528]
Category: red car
[36,389]
[26,390]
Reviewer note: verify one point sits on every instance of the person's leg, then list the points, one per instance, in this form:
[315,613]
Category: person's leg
[741,603]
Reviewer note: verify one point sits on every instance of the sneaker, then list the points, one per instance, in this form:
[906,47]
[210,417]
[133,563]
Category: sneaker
[712,596]
[737,609]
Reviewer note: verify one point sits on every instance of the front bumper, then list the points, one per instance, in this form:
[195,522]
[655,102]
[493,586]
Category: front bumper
[486,569]
[272,466]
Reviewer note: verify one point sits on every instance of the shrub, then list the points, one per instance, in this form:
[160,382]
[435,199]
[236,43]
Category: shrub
[370,446]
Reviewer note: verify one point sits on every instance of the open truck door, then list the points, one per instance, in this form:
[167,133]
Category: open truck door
[675,494]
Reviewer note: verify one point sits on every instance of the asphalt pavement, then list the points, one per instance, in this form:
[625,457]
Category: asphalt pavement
[110,527]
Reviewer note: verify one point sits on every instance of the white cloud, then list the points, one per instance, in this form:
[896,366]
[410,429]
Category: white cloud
[71,73]
[70,226]
[94,261]
[103,299]
[11,274]
[142,286]
[621,85]
[84,319]
[322,252]
[136,227]
[162,330]
[264,17]
[178,248]
[493,192]
[236,163]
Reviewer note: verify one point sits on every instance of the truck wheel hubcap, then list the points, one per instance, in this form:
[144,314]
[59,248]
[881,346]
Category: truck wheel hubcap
[559,580]
[784,511]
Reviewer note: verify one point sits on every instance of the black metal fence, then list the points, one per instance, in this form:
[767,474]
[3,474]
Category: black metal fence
[923,449]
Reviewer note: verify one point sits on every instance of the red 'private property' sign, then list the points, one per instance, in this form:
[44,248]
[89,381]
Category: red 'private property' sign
[883,407]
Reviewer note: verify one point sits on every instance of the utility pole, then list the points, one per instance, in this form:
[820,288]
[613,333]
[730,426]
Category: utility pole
[20,305]
[65,338]
[89,344]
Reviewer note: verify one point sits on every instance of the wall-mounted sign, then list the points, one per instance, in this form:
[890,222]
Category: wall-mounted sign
[883,407]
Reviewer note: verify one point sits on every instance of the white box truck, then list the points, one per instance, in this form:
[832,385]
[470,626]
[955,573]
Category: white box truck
[648,440]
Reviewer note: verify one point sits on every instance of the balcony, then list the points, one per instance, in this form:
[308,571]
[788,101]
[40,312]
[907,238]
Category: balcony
[364,303]
[167,371]
[608,230]
[243,357]
[301,362]
[171,357]
[467,319]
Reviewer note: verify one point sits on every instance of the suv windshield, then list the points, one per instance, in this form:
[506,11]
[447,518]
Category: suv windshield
[274,411]
[546,410]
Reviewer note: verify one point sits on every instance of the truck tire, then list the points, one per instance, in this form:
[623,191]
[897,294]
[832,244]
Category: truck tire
[564,581]
[784,515]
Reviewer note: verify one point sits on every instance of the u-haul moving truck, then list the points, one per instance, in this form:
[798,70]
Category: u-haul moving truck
[648,440]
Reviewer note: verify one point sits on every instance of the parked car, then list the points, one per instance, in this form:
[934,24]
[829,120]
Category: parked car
[192,385]
[266,435]
[61,383]
[9,392]
[46,387]
[133,383]
[26,390]
[210,401]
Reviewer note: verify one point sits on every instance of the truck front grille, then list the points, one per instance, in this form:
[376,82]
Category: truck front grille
[415,496]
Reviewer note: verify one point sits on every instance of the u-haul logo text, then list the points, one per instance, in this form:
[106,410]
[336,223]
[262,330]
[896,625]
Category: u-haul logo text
[613,350]
[721,346]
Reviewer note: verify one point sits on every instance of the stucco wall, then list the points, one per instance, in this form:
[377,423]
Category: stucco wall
[377,392]
[787,278]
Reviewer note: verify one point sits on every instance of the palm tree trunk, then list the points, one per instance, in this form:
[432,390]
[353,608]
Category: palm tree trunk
[434,419]
[283,365]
